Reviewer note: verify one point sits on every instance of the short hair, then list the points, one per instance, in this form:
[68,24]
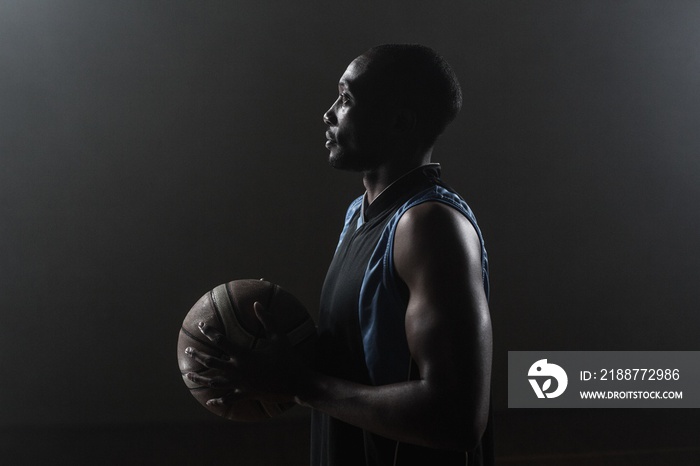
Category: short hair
[426,81]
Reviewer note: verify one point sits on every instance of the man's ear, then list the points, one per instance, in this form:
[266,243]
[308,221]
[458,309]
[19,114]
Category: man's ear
[405,120]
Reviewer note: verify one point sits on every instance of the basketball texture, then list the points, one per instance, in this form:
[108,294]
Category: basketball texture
[229,309]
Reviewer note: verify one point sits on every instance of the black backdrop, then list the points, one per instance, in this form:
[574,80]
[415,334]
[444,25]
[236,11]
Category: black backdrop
[151,150]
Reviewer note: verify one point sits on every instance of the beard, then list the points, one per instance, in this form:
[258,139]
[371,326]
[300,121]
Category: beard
[354,161]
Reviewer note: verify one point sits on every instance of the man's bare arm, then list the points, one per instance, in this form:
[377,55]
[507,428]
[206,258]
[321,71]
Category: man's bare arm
[438,255]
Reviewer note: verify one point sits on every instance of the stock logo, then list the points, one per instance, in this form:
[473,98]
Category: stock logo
[545,372]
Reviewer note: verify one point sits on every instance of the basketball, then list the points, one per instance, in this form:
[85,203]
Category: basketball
[228,308]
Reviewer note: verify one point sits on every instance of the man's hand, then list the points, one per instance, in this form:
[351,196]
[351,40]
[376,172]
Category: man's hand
[269,372]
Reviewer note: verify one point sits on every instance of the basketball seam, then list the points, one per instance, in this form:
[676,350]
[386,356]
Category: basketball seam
[268,306]
[234,307]
[204,342]
[271,297]
[227,288]
[264,410]
[217,312]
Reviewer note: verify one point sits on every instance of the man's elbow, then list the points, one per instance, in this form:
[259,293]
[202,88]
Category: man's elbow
[462,434]
[466,438]
[472,437]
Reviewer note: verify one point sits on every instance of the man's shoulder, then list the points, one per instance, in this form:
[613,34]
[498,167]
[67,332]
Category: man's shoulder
[433,217]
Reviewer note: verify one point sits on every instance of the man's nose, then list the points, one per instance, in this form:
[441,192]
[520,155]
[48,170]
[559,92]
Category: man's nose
[329,117]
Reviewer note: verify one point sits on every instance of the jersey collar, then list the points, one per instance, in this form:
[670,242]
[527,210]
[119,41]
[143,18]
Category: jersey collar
[414,180]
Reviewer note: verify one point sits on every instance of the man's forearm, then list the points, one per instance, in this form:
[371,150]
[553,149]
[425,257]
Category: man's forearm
[412,411]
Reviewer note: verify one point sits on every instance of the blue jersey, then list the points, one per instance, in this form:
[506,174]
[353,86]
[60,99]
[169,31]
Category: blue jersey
[361,322]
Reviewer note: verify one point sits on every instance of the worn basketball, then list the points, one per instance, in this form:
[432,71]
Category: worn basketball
[229,309]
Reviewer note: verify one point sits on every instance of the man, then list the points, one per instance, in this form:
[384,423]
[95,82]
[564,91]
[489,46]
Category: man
[404,328]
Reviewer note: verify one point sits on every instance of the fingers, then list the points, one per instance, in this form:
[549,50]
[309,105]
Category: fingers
[229,398]
[218,338]
[212,382]
[208,360]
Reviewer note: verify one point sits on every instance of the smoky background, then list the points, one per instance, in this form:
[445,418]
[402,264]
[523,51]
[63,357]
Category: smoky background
[152,150]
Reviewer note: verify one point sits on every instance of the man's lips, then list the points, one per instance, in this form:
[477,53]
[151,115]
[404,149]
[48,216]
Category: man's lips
[330,139]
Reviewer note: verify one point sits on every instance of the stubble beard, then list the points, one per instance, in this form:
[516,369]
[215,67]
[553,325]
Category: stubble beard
[355,162]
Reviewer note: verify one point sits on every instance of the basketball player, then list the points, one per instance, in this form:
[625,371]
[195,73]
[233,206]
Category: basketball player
[404,367]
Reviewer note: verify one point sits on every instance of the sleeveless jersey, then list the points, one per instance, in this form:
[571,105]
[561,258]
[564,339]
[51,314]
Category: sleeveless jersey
[361,321]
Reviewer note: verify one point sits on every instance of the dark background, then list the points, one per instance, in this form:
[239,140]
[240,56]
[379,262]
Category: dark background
[151,150]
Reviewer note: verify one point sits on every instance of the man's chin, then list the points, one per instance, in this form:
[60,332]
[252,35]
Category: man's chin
[339,162]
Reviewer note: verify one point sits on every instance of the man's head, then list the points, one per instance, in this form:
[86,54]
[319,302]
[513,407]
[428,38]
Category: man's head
[421,81]
[392,94]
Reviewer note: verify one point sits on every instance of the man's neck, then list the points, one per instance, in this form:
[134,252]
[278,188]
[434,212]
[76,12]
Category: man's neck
[378,179]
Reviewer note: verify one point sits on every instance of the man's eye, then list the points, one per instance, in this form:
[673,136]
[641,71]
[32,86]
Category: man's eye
[344,98]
